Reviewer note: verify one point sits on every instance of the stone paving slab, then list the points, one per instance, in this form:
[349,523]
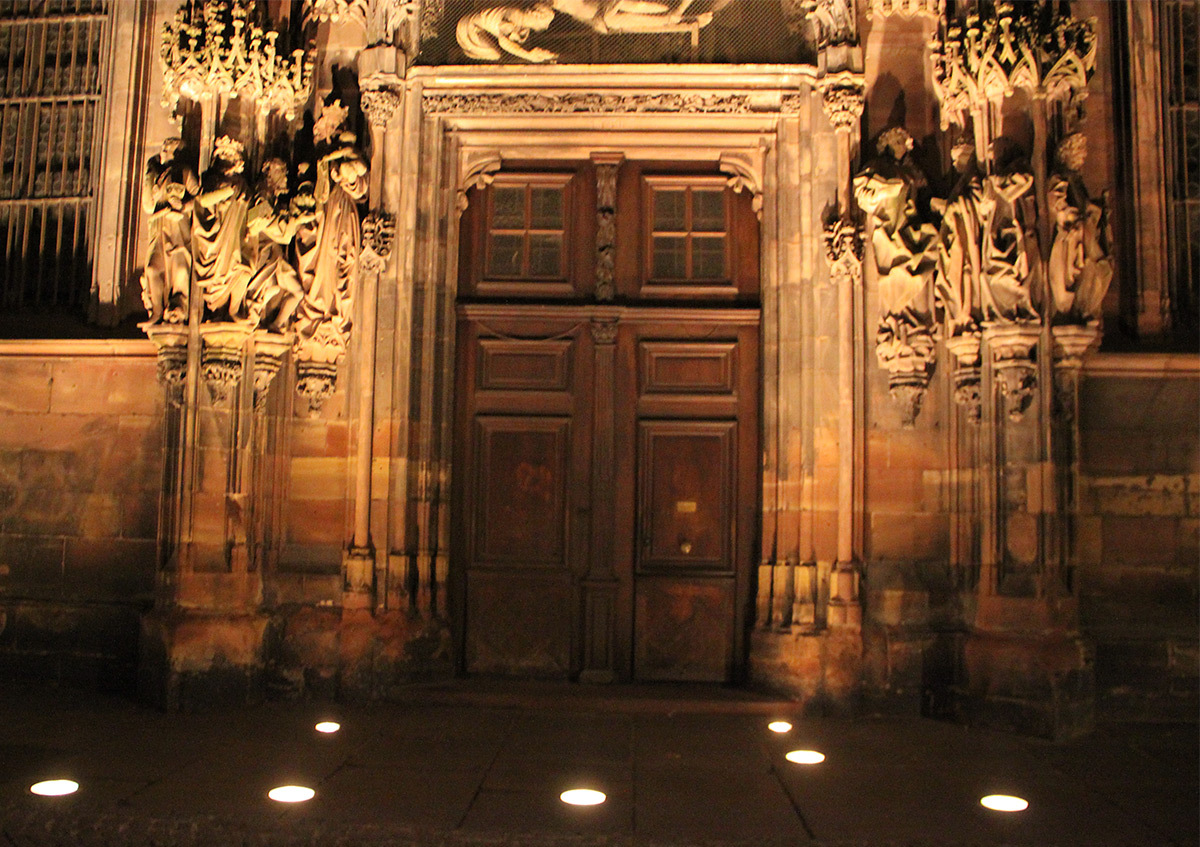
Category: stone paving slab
[489,773]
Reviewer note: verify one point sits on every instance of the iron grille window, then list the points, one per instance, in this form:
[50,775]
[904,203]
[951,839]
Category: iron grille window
[51,100]
[1181,98]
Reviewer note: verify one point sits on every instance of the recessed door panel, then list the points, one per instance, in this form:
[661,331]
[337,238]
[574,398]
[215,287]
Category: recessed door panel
[684,629]
[519,624]
[521,491]
[684,475]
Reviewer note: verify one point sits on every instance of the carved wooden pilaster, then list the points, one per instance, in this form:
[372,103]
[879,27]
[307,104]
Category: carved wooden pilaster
[600,584]
[607,166]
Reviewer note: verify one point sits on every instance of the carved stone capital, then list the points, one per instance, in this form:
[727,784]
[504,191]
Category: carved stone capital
[967,373]
[843,98]
[170,342]
[270,348]
[221,357]
[1012,350]
[380,105]
[908,353]
[1072,343]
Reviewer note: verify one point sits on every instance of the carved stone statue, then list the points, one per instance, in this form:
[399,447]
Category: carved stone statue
[169,187]
[901,242]
[960,261]
[1080,266]
[1005,249]
[490,33]
[218,222]
[273,292]
[327,248]
[904,249]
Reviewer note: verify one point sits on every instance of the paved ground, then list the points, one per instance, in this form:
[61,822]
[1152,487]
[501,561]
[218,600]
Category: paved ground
[487,768]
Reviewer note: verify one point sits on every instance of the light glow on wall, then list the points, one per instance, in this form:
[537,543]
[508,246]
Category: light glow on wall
[291,794]
[54,787]
[805,757]
[779,726]
[328,727]
[582,797]
[1004,803]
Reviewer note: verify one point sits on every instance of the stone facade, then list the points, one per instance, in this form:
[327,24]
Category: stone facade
[960,508]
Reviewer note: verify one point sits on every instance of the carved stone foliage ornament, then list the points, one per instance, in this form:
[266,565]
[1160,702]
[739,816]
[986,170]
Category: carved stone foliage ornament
[490,34]
[903,248]
[1002,46]
[226,49]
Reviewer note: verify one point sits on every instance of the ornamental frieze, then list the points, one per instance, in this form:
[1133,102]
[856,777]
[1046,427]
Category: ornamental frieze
[583,102]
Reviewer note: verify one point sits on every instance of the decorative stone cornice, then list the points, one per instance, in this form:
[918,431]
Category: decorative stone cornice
[220,48]
[582,102]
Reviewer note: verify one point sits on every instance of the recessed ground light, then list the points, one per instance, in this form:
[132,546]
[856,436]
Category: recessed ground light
[1004,803]
[779,726]
[805,757]
[54,787]
[291,794]
[582,797]
[328,726]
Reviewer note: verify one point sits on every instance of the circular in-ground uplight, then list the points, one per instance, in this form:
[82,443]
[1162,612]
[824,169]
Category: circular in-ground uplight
[328,727]
[805,757]
[54,787]
[1004,803]
[291,794]
[582,797]
[779,726]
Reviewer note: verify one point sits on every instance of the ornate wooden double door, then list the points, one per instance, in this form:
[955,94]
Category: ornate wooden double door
[606,459]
